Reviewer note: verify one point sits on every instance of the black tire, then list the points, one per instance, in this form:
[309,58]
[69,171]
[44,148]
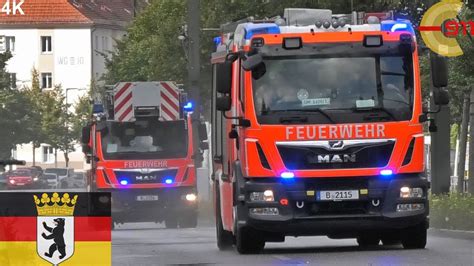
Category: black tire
[415,237]
[188,221]
[391,240]
[249,241]
[368,240]
[225,239]
[171,222]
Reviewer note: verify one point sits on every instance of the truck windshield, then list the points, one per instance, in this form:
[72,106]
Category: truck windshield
[322,86]
[145,140]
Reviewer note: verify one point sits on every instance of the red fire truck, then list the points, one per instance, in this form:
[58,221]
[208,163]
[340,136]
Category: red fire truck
[140,147]
[317,130]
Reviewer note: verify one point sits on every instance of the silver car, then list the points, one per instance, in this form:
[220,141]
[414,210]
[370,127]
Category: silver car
[52,180]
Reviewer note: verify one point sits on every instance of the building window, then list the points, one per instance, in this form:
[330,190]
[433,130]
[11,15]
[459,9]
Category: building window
[46,44]
[46,80]
[48,154]
[10,43]
[12,80]
[97,43]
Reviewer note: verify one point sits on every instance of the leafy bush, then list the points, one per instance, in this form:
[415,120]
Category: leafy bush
[452,211]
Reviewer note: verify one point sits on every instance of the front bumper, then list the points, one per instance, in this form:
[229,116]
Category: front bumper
[376,208]
[171,201]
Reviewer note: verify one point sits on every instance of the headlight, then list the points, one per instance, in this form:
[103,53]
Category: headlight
[35,179]
[12,181]
[191,197]
[266,195]
[408,192]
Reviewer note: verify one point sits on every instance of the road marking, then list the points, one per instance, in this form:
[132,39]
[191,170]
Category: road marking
[280,257]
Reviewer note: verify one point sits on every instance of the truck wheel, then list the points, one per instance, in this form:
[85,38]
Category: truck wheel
[171,222]
[415,237]
[368,240]
[390,240]
[188,221]
[249,241]
[225,239]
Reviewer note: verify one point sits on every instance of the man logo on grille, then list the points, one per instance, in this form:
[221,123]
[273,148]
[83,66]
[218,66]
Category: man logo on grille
[336,144]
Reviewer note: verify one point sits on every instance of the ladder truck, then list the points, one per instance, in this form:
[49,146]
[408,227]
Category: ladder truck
[140,147]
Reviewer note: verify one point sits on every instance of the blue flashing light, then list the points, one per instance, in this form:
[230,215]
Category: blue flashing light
[217,40]
[123,182]
[169,181]
[261,28]
[386,172]
[397,25]
[287,175]
[97,108]
[188,107]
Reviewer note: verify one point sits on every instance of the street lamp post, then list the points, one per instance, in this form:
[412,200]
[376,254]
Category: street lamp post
[67,122]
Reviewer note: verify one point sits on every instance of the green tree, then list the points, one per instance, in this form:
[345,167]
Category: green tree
[36,98]
[16,120]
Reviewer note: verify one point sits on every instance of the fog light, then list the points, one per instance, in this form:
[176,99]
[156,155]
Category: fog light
[267,195]
[264,211]
[407,192]
[191,197]
[287,175]
[410,207]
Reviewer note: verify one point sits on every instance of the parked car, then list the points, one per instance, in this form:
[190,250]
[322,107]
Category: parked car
[51,179]
[25,178]
[76,181]
[3,181]
[62,174]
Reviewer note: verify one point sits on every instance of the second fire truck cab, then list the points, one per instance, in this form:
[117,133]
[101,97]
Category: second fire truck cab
[141,149]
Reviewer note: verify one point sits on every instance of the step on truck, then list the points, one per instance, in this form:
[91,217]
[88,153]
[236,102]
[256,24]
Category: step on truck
[318,129]
[140,147]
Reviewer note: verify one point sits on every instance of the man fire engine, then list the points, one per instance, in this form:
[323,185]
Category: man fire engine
[141,149]
[317,130]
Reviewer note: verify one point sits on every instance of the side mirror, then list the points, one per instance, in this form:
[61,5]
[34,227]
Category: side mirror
[439,70]
[202,132]
[224,77]
[440,97]
[223,103]
[252,62]
[86,149]
[86,135]
[204,146]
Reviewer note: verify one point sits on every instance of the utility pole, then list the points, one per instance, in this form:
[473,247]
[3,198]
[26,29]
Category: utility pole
[194,68]
[463,143]
[440,140]
[471,144]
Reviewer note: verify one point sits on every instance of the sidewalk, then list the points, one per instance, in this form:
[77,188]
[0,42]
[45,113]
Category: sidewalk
[460,234]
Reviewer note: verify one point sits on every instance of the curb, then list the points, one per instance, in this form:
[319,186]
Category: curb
[460,234]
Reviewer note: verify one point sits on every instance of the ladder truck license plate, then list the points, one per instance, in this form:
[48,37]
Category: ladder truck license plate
[147,198]
[337,195]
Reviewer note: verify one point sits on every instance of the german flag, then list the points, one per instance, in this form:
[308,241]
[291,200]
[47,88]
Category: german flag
[63,228]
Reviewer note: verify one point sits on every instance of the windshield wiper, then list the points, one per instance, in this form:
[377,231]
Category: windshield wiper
[390,73]
[383,109]
[313,110]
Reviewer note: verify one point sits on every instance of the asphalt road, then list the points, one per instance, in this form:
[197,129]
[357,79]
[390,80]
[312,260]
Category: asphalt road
[150,244]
